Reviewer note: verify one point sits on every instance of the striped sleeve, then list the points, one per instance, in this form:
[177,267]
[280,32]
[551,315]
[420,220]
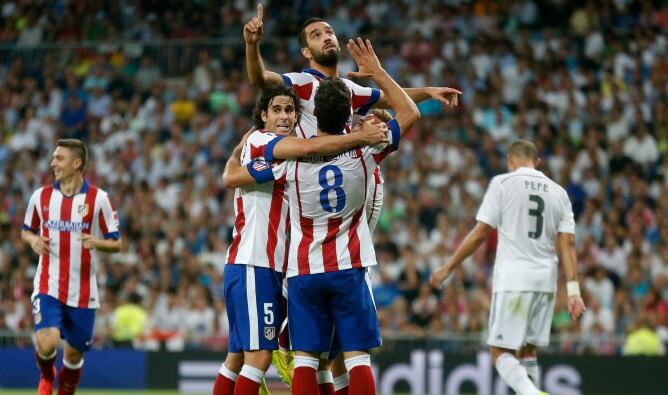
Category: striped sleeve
[363,98]
[108,219]
[32,219]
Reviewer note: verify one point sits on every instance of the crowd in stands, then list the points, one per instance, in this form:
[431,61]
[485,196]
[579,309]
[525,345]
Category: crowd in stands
[586,81]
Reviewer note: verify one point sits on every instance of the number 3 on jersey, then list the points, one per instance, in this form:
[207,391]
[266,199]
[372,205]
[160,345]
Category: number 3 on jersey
[538,213]
[327,188]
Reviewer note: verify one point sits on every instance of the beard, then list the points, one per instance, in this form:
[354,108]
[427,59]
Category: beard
[328,59]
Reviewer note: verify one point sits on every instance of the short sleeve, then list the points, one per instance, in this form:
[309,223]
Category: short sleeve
[264,171]
[381,151]
[363,98]
[490,209]
[567,221]
[301,83]
[32,219]
[108,219]
[258,144]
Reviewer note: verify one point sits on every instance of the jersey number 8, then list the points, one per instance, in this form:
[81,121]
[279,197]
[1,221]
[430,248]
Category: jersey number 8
[336,187]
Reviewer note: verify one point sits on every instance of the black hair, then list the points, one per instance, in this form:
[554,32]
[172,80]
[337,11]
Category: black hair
[524,149]
[78,147]
[332,105]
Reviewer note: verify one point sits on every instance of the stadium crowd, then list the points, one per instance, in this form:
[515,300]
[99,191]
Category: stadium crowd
[586,81]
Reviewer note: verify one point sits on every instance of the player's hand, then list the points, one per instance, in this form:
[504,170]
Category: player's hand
[89,242]
[366,59]
[436,279]
[253,29]
[40,245]
[372,133]
[576,307]
[447,96]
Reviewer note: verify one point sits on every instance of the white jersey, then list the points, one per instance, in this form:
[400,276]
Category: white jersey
[67,272]
[529,211]
[261,210]
[327,195]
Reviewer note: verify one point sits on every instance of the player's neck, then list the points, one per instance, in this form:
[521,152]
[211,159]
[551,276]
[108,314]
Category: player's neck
[327,71]
[71,185]
[524,166]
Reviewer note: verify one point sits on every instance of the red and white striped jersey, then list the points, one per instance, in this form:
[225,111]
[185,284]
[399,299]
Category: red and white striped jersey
[327,195]
[261,211]
[306,83]
[67,272]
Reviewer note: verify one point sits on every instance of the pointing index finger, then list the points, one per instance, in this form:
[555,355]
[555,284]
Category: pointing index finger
[259,11]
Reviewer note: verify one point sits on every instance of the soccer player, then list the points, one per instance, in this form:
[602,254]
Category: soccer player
[321,49]
[66,224]
[330,243]
[536,229]
[256,258]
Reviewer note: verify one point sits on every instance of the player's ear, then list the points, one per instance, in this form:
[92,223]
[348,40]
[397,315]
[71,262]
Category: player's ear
[263,115]
[537,163]
[306,53]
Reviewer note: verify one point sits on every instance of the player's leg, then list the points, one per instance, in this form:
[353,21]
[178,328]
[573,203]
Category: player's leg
[256,299]
[228,372]
[507,334]
[324,377]
[340,375]
[538,333]
[528,356]
[310,328]
[77,331]
[47,318]
[357,327]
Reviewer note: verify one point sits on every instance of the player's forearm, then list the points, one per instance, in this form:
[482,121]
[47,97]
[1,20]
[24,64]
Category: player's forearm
[407,112]
[329,145]
[235,175]
[567,255]
[27,236]
[257,73]
[108,245]
[471,243]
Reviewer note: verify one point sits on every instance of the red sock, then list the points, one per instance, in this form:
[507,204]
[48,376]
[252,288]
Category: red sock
[361,381]
[68,380]
[246,386]
[342,391]
[223,386]
[46,367]
[304,381]
[326,388]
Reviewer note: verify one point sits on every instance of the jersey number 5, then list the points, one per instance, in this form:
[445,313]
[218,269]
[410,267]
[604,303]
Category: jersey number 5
[327,187]
[538,213]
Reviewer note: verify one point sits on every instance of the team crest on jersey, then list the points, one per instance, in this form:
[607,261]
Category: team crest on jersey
[260,165]
[83,210]
[269,332]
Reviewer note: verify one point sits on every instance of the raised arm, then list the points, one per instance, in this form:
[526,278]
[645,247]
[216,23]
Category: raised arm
[447,96]
[471,243]
[567,256]
[406,111]
[258,75]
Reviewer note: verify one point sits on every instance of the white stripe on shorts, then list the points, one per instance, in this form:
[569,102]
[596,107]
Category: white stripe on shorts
[253,324]
[367,280]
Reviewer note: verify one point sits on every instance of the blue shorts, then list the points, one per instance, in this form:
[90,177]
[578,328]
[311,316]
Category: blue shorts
[318,303]
[75,323]
[252,298]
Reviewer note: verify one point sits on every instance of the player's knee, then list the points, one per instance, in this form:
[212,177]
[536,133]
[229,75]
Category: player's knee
[234,362]
[73,356]
[46,341]
[258,359]
[325,365]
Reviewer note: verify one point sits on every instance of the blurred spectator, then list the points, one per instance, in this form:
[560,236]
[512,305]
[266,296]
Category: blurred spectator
[643,340]
[128,321]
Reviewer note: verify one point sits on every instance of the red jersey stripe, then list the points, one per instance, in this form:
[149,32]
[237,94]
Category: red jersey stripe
[84,275]
[239,226]
[275,210]
[305,245]
[287,242]
[329,258]
[44,202]
[354,243]
[64,278]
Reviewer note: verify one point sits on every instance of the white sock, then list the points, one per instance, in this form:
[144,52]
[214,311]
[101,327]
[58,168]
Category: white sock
[73,366]
[325,377]
[224,371]
[341,382]
[360,360]
[306,362]
[252,373]
[47,357]
[515,375]
[531,365]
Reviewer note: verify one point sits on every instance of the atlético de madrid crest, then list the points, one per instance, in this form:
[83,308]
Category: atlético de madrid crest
[83,210]
[269,332]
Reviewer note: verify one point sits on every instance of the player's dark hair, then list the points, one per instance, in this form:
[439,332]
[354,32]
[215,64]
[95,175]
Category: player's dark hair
[524,149]
[78,147]
[302,30]
[265,98]
[332,105]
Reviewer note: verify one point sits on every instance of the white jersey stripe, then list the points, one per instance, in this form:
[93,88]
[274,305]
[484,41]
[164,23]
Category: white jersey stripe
[253,323]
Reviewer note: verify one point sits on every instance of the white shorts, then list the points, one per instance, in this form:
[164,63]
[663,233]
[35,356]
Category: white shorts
[518,318]
[374,204]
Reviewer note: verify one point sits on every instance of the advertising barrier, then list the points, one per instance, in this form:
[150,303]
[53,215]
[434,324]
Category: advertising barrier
[417,372]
